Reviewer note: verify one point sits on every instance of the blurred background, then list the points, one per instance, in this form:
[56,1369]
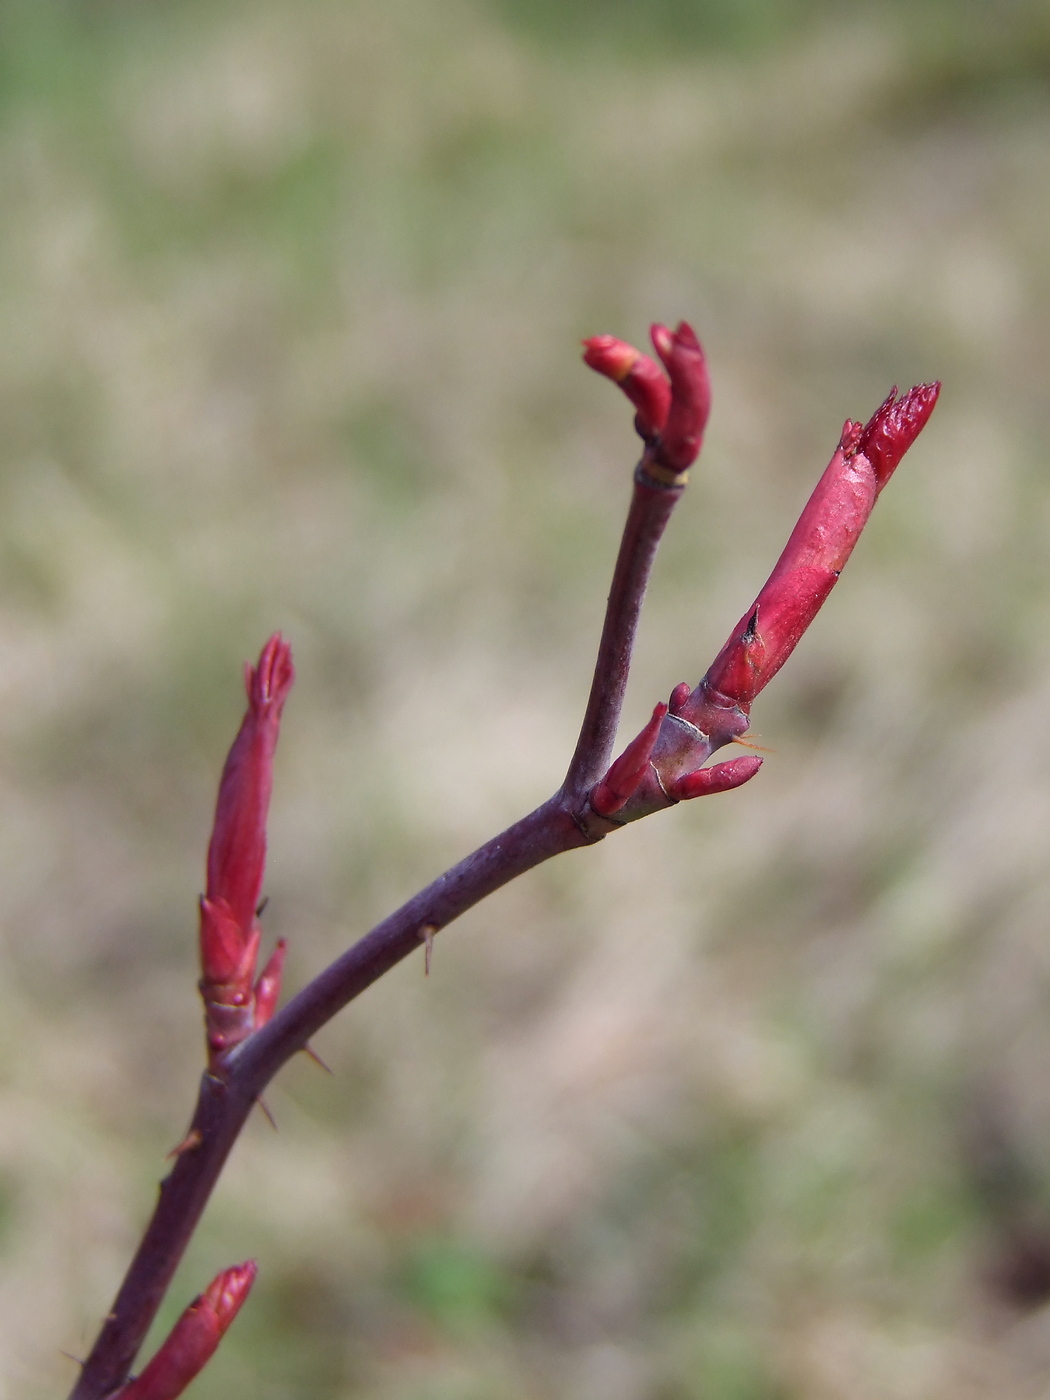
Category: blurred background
[751,1102]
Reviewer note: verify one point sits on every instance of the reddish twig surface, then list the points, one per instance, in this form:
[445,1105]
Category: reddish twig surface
[247,1044]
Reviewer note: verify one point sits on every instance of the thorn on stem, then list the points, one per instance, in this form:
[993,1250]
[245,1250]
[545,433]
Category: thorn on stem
[312,1053]
[426,933]
[192,1140]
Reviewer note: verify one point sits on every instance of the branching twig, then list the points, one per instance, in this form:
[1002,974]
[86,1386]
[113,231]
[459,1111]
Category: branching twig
[248,1044]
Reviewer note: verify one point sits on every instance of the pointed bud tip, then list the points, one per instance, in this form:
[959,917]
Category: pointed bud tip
[192,1342]
[269,682]
[894,426]
[227,1292]
[685,335]
[662,339]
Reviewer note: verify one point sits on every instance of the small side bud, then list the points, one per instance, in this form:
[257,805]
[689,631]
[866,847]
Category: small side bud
[268,987]
[720,777]
[193,1340]
[686,364]
[679,696]
[625,776]
[640,378]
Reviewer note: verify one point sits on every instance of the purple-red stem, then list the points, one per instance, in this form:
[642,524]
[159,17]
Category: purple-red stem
[562,823]
[651,505]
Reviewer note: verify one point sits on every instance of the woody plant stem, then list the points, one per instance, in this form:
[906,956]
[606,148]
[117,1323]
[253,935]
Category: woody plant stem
[660,767]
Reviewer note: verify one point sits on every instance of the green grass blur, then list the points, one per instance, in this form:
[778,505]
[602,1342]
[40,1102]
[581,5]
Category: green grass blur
[751,1102]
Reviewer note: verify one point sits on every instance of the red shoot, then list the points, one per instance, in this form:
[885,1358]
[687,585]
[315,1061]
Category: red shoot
[229,933]
[237,852]
[672,409]
[192,1342]
[684,360]
[663,764]
[641,379]
[814,556]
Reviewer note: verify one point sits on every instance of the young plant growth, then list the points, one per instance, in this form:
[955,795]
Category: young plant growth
[248,1040]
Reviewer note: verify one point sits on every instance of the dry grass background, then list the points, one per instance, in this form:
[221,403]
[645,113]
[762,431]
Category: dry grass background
[749,1103]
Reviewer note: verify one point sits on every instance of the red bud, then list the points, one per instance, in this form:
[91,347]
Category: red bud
[237,853]
[638,376]
[193,1340]
[626,774]
[894,426]
[268,987]
[229,934]
[720,777]
[814,555]
[686,365]
[679,696]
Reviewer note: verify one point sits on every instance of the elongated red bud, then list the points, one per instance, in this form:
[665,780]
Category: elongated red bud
[193,1340]
[894,426]
[814,556]
[720,777]
[626,774]
[684,360]
[237,852]
[229,933]
[268,987]
[640,378]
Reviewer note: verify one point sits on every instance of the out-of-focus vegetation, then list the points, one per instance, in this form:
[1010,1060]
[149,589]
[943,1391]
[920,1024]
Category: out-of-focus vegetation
[751,1102]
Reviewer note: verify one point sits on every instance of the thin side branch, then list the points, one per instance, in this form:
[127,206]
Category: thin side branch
[651,505]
